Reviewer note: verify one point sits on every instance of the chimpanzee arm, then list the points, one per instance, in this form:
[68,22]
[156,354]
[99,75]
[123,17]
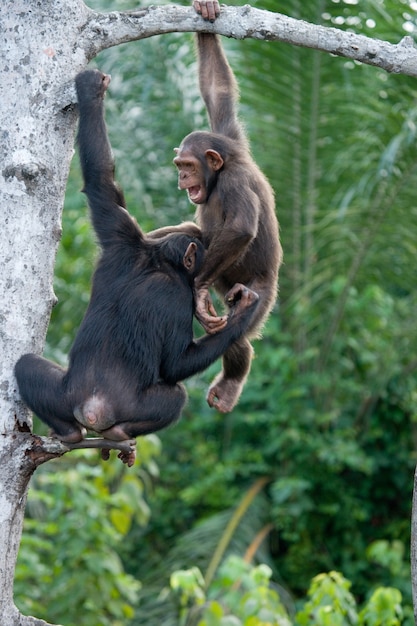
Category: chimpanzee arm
[188,228]
[218,87]
[199,354]
[111,221]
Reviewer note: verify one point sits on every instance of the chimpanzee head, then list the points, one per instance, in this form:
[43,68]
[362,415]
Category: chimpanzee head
[182,252]
[200,158]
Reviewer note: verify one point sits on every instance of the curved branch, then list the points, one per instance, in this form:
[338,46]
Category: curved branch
[104,30]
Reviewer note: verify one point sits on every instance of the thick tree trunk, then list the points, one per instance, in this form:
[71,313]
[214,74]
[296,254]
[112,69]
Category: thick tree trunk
[38,62]
[44,44]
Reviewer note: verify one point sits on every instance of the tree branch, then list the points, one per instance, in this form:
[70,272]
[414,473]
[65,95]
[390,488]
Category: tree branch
[23,620]
[104,30]
[43,449]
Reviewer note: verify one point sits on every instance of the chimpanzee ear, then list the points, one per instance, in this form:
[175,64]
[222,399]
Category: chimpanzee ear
[214,160]
[189,257]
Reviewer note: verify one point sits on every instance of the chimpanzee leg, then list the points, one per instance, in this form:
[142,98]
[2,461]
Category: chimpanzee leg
[157,407]
[40,385]
[226,388]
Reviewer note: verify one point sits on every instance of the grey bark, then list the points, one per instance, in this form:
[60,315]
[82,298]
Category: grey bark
[43,45]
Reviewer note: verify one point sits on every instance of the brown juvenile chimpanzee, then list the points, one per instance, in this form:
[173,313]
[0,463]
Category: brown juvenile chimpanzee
[135,342]
[235,212]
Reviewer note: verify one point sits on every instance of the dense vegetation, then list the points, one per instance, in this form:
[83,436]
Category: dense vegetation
[320,452]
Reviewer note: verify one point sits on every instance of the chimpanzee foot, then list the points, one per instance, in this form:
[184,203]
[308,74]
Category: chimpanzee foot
[128,457]
[224,393]
[72,436]
[126,447]
[116,433]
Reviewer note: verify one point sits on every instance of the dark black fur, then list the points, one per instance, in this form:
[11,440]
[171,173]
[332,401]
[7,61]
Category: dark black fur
[135,342]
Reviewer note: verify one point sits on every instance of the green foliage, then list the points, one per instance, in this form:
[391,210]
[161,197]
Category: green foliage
[79,514]
[330,602]
[189,585]
[242,595]
[383,609]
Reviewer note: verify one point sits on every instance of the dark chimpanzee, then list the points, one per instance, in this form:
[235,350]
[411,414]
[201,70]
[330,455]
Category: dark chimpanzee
[135,342]
[235,212]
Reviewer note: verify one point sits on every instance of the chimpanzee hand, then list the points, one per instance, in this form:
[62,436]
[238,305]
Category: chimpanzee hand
[208,9]
[240,297]
[206,313]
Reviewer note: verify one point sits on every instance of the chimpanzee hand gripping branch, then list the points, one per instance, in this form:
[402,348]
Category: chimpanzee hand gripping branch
[235,212]
[136,342]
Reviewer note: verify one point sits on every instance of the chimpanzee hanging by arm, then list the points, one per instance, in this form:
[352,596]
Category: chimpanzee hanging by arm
[135,342]
[235,211]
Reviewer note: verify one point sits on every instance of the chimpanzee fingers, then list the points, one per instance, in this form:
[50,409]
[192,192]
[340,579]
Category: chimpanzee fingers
[208,9]
[234,294]
[204,306]
[211,309]
[248,299]
[241,295]
[105,454]
[128,458]
[250,296]
[213,325]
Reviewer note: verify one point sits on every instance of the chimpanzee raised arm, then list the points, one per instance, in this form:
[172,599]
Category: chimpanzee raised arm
[111,223]
[135,342]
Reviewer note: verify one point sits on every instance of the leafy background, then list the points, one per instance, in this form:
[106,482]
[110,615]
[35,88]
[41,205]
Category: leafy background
[328,416]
